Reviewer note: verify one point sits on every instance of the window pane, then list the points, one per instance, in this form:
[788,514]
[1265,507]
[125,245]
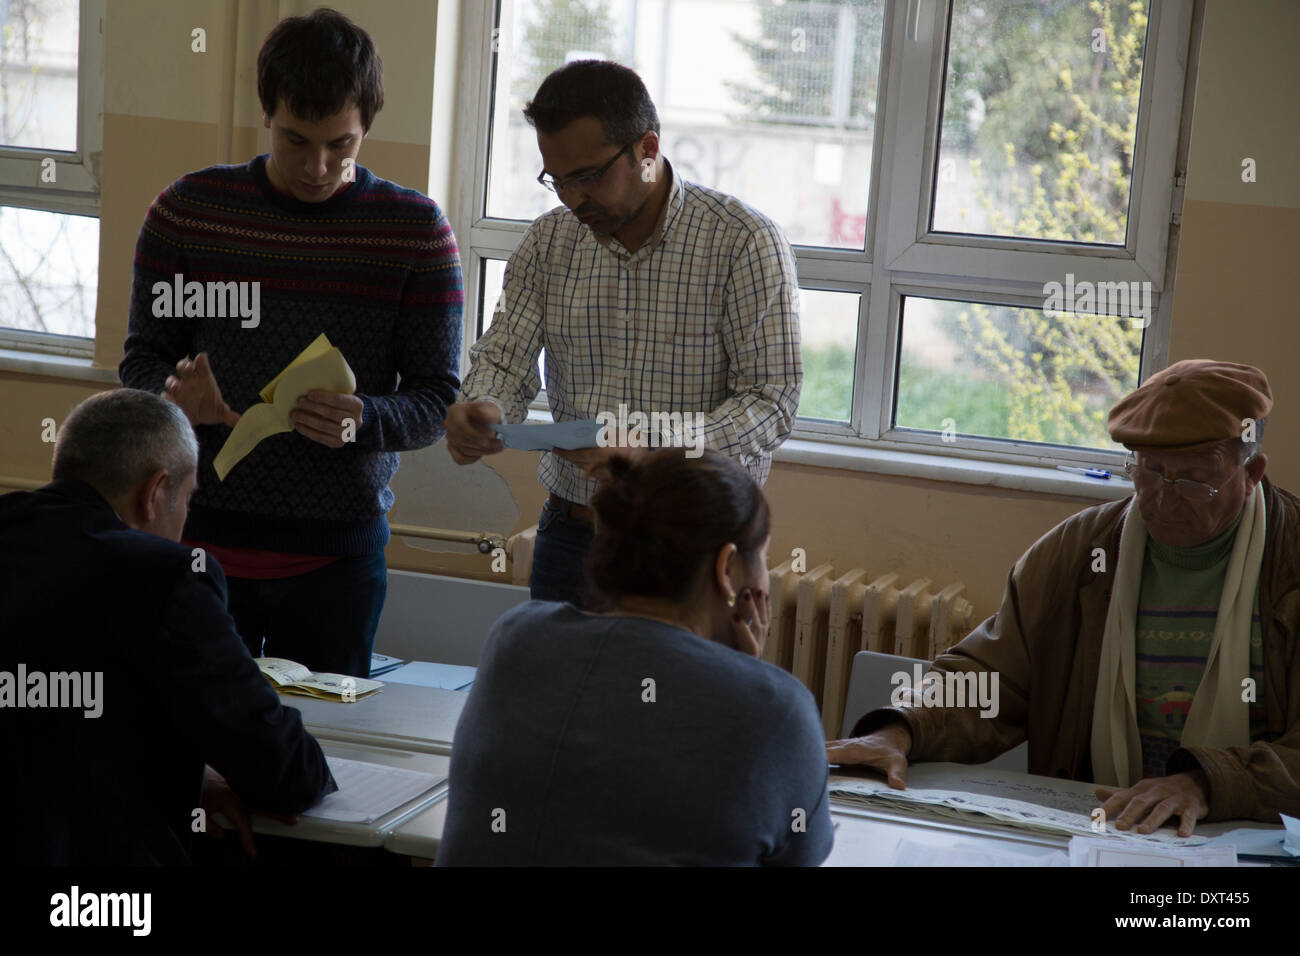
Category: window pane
[1039,119]
[49,271]
[772,103]
[493,281]
[38,74]
[829,326]
[1000,371]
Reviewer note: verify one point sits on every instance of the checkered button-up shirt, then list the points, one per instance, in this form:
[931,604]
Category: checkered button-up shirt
[702,318]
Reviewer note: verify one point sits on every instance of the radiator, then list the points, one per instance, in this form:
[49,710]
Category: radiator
[820,621]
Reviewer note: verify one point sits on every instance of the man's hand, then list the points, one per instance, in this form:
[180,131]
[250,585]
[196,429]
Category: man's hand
[594,460]
[194,388]
[323,417]
[219,798]
[885,749]
[469,431]
[1185,795]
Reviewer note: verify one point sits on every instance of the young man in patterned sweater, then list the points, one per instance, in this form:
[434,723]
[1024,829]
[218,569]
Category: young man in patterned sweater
[317,244]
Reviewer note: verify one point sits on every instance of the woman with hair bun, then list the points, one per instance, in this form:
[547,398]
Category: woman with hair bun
[648,733]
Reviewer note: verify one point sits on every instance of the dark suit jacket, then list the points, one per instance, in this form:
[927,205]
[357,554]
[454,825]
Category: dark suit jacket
[81,591]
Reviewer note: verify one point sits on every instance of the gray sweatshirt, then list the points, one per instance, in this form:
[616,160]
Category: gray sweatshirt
[617,741]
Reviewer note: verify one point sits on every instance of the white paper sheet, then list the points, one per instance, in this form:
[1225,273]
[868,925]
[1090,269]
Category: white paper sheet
[368,791]
[426,674]
[1103,851]
[955,792]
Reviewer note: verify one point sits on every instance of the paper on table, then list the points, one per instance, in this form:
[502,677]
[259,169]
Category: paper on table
[950,791]
[320,365]
[426,674]
[1254,841]
[368,791]
[568,435]
[987,853]
[1095,851]
[1292,842]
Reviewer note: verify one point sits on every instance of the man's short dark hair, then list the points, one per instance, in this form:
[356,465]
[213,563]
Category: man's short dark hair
[320,65]
[115,440]
[608,91]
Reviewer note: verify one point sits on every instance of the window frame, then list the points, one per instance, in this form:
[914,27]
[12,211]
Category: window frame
[77,191]
[901,255]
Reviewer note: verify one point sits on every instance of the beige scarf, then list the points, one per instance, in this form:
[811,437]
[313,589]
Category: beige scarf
[1218,717]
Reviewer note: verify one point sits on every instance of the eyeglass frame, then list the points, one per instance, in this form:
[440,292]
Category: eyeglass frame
[1131,465]
[558,186]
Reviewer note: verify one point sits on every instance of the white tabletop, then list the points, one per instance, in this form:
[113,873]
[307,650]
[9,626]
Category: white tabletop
[420,835]
[377,831]
[879,838]
[403,716]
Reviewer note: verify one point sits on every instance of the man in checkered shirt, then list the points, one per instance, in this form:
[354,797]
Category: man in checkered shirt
[645,290]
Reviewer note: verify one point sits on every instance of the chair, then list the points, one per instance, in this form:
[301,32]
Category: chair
[871,683]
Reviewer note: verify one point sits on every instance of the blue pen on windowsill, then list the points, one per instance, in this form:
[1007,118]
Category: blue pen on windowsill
[1101,473]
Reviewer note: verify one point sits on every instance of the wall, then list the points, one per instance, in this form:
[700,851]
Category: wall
[163,117]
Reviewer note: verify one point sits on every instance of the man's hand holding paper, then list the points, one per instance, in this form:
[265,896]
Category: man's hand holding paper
[321,373]
[323,416]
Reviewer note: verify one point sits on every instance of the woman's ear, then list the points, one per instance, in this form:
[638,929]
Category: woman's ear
[723,564]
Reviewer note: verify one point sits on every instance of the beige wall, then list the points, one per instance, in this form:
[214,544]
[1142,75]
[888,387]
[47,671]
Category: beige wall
[163,117]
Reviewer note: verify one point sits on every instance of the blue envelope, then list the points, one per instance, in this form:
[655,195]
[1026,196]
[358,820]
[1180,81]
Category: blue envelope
[568,435]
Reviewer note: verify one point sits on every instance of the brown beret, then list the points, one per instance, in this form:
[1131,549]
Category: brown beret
[1191,404]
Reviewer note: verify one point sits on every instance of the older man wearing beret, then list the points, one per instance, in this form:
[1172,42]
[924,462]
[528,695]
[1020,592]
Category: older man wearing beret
[1148,645]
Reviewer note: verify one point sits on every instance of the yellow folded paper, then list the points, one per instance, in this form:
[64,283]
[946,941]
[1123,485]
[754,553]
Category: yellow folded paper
[318,366]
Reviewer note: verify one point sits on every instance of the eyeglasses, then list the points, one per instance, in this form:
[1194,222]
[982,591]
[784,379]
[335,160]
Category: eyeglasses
[1146,479]
[583,181]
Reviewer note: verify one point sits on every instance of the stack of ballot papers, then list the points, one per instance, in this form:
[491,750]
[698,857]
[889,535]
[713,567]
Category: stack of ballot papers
[964,793]
[368,791]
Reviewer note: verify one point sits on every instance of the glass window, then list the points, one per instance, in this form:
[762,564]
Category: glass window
[38,74]
[969,368]
[772,103]
[49,271]
[1040,112]
[829,330]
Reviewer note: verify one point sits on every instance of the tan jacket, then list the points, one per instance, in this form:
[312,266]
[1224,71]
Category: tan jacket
[1045,645]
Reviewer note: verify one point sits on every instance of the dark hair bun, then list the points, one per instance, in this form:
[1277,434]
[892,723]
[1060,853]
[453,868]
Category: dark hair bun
[617,502]
[657,520]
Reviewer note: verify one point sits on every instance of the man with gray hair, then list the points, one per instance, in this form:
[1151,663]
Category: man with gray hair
[94,584]
[1148,644]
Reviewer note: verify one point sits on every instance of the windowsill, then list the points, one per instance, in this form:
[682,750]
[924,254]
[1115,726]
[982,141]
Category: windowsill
[970,471]
[73,368]
[906,464]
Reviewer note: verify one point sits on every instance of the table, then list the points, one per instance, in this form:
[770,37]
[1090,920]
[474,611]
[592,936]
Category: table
[401,716]
[421,834]
[880,838]
[371,834]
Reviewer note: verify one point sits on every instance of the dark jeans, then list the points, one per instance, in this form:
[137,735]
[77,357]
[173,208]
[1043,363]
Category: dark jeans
[325,619]
[561,547]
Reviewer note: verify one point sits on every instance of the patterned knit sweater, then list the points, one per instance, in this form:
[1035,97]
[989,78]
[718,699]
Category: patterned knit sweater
[375,267]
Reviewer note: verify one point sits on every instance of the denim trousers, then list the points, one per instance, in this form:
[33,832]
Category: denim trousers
[558,555]
[325,619]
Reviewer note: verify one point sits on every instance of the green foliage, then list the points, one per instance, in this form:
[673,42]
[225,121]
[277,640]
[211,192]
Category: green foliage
[927,396]
[798,70]
[1051,124]
[562,26]
[1063,373]
[827,383]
